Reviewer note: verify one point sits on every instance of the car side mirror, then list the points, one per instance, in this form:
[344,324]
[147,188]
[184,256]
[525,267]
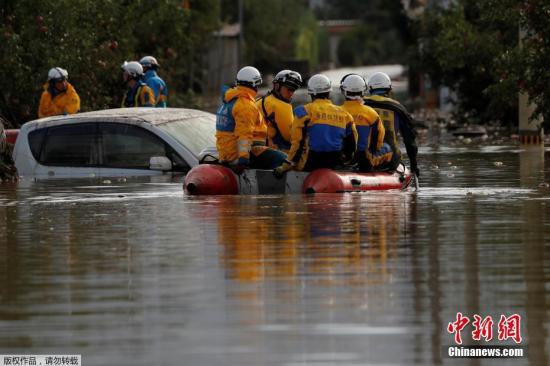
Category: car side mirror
[160,163]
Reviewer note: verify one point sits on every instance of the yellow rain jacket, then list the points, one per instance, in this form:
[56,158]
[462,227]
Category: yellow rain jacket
[367,122]
[321,126]
[371,132]
[239,125]
[67,102]
[278,116]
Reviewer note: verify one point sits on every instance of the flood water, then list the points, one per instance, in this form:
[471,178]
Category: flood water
[137,273]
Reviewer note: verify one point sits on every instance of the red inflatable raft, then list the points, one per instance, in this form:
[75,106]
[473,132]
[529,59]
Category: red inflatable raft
[207,179]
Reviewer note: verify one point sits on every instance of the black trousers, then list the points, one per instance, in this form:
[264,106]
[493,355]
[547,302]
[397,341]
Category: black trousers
[318,160]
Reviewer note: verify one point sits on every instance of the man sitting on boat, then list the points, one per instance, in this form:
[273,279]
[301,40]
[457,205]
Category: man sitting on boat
[395,118]
[241,131]
[321,132]
[372,152]
[277,110]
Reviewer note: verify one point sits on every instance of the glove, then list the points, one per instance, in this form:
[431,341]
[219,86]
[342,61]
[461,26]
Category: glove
[280,171]
[242,164]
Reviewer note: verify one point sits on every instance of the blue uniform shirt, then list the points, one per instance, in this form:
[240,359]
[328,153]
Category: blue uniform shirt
[158,86]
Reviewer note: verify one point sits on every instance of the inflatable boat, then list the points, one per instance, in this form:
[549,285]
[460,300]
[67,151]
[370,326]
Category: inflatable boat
[212,179]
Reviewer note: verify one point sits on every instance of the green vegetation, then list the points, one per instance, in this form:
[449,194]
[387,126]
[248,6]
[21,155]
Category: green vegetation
[91,39]
[474,48]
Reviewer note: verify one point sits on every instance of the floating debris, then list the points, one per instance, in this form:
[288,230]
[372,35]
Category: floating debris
[498,163]
[544,185]
[106,181]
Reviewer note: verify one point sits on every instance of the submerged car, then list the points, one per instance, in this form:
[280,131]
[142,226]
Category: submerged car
[114,143]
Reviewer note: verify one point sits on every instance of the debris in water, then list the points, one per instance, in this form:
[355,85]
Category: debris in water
[106,181]
[544,185]
[498,163]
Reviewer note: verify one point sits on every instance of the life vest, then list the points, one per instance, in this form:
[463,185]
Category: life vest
[224,116]
[136,97]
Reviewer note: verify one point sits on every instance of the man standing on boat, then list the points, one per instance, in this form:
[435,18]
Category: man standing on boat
[277,110]
[395,118]
[371,149]
[241,132]
[322,133]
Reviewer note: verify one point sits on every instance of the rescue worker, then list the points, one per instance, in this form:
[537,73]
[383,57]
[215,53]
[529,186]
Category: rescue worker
[153,81]
[322,133]
[371,149]
[241,132]
[395,118]
[138,93]
[59,96]
[277,110]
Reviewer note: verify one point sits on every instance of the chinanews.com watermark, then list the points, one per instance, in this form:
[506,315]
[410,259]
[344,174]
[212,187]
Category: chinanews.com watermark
[508,330]
[41,360]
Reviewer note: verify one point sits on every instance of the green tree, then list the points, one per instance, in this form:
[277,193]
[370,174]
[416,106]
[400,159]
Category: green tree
[474,48]
[91,40]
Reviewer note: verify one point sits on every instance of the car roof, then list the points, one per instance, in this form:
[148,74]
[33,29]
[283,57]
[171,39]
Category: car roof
[153,116]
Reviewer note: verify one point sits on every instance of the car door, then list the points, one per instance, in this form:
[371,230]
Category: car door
[68,150]
[126,150]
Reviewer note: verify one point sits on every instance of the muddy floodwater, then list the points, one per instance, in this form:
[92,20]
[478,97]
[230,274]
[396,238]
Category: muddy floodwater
[136,273]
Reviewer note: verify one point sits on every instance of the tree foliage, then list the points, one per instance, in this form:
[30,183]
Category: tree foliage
[474,48]
[91,39]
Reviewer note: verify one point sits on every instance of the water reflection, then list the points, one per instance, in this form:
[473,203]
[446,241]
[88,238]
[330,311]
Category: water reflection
[339,239]
[96,268]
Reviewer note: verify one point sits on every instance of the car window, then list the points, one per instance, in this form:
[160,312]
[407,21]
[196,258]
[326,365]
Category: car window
[36,138]
[127,146]
[68,145]
[194,133]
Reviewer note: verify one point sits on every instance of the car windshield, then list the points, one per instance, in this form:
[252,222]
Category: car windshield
[195,134]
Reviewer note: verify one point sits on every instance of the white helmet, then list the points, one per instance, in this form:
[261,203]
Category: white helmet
[353,86]
[379,80]
[149,61]
[290,79]
[318,84]
[133,68]
[57,73]
[249,76]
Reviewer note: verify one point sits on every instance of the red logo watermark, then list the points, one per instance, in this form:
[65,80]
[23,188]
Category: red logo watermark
[508,328]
